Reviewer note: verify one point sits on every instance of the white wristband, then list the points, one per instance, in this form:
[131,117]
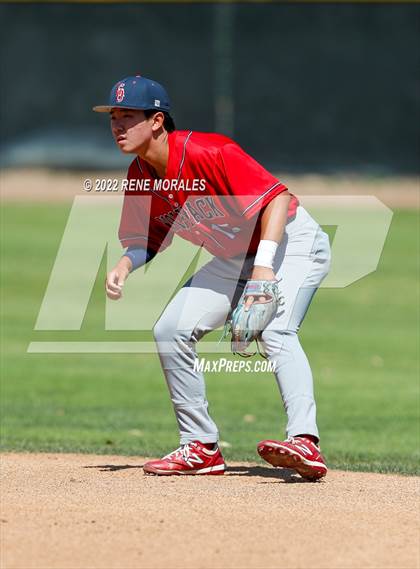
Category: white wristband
[265,253]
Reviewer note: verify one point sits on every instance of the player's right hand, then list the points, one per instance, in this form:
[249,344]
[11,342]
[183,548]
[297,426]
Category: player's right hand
[114,282]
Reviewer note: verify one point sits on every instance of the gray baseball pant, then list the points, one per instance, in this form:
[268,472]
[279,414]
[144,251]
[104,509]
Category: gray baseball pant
[203,304]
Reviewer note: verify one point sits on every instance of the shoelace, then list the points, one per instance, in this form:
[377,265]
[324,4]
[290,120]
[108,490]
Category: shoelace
[300,440]
[184,451]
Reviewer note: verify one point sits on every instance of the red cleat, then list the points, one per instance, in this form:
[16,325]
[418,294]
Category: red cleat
[191,458]
[297,453]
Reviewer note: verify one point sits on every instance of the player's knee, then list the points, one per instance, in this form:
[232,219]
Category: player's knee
[165,330]
[277,342]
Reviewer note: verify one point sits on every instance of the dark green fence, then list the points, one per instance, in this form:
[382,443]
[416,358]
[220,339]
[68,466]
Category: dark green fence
[302,87]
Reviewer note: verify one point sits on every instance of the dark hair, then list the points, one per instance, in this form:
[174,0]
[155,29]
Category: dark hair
[168,121]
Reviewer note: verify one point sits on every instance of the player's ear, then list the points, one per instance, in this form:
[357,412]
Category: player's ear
[157,121]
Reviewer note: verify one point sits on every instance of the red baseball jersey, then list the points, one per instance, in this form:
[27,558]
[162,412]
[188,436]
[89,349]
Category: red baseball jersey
[211,195]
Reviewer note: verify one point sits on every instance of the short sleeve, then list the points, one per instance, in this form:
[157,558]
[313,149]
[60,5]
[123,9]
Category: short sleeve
[250,183]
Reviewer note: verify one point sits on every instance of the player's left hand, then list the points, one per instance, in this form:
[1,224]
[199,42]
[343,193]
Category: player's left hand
[259,274]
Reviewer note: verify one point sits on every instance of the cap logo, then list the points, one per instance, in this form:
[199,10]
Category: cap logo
[120,92]
[157,103]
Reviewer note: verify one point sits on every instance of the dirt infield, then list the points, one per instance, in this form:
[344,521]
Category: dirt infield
[69,511]
[56,186]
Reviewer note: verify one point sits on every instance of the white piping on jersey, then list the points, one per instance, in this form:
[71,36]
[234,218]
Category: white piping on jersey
[179,171]
[152,190]
[139,164]
[156,193]
[134,237]
[261,197]
[166,199]
[183,155]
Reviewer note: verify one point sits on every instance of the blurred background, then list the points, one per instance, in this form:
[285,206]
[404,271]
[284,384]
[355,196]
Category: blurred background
[317,87]
[326,96]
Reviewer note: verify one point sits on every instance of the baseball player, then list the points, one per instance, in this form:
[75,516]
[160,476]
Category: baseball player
[206,189]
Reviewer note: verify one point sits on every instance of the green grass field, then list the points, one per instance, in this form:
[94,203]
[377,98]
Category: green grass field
[362,342]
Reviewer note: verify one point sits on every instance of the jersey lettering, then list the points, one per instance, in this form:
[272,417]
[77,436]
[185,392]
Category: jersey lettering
[223,218]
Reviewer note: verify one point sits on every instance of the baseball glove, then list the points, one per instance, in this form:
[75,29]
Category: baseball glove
[245,326]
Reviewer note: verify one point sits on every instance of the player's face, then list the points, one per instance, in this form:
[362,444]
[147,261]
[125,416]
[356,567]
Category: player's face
[131,130]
